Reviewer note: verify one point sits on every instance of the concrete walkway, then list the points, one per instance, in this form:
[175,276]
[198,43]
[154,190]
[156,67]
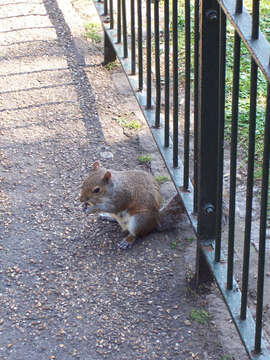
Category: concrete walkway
[66,290]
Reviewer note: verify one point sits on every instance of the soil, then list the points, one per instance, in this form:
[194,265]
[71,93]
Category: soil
[66,290]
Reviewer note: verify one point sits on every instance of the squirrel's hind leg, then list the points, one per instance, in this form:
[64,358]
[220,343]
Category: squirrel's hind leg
[139,225]
[142,223]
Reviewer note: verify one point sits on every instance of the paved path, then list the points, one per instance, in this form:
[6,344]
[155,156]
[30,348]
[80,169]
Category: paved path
[66,290]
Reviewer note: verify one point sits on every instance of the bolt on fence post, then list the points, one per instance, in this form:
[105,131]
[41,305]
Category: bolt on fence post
[207,127]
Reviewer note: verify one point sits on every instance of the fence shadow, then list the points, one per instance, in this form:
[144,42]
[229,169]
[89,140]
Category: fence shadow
[76,64]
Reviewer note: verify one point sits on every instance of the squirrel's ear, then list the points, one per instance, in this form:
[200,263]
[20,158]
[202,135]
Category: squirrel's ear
[107,176]
[95,165]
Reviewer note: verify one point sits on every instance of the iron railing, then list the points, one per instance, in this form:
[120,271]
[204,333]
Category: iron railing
[134,32]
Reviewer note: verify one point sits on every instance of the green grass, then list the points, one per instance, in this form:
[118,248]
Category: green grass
[145,158]
[173,245]
[162,179]
[226,357]
[112,65]
[190,240]
[92,32]
[200,316]
[127,123]
[176,245]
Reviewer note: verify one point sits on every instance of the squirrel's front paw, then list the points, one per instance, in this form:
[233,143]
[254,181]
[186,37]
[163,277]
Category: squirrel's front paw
[104,216]
[88,209]
[127,242]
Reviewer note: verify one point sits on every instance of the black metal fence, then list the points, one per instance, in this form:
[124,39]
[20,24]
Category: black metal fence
[148,37]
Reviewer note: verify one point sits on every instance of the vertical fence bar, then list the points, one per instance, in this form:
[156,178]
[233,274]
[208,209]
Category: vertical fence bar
[157,63]
[167,71]
[187,94]
[111,15]
[133,40]
[208,124]
[105,8]
[149,57]
[119,22]
[239,6]
[255,19]
[263,220]
[221,119]
[249,192]
[175,82]
[140,52]
[109,52]
[124,15]
[233,160]
[196,107]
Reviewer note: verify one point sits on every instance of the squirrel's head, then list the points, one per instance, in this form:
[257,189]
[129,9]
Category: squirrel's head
[95,186]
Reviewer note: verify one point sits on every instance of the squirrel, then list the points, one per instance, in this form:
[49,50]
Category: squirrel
[132,198]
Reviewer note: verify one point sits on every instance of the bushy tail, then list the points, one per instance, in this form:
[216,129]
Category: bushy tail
[171,214]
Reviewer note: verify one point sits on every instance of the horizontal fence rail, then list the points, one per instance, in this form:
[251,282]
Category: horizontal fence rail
[198,48]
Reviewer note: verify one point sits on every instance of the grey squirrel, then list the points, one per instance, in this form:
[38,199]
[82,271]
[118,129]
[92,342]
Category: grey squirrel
[132,198]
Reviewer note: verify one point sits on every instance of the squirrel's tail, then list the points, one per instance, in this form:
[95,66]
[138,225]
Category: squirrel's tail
[170,214]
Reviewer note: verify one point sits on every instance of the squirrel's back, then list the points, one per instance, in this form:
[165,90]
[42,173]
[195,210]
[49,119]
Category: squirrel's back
[140,187]
[115,191]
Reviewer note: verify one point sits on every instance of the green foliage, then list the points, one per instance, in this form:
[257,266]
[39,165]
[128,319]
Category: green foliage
[162,179]
[127,123]
[244,85]
[227,357]
[112,65]
[145,158]
[190,240]
[173,245]
[244,79]
[244,100]
[176,245]
[200,316]
[92,32]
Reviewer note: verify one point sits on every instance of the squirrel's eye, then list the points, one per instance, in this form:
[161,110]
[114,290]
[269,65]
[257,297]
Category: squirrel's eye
[96,190]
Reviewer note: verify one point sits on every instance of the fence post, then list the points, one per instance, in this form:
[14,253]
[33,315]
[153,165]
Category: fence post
[109,53]
[207,127]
